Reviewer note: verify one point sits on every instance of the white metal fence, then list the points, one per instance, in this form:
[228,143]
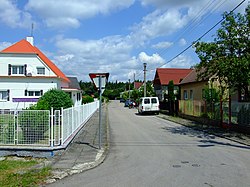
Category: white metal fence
[43,127]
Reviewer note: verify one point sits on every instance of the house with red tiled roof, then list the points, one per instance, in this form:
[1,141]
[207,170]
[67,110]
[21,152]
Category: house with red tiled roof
[26,74]
[162,78]
[192,88]
[137,85]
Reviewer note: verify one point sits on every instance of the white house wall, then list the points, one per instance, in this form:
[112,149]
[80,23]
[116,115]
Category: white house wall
[32,60]
[17,87]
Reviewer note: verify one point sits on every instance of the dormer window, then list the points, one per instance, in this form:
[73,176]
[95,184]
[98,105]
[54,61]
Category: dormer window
[40,70]
[17,69]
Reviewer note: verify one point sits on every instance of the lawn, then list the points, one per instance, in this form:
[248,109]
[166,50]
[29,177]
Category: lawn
[21,172]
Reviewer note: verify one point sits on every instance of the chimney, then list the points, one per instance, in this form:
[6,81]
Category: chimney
[30,39]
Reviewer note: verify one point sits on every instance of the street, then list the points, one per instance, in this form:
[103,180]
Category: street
[149,151]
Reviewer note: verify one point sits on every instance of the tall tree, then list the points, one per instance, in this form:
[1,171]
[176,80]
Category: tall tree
[228,56]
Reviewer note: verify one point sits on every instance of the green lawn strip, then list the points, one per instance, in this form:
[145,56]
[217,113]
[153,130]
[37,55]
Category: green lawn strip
[20,173]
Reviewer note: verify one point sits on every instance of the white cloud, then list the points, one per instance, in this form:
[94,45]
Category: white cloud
[155,59]
[182,42]
[157,24]
[109,54]
[64,58]
[162,45]
[12,16]
[167,3]
[182,61]
[4,45]
[61,13]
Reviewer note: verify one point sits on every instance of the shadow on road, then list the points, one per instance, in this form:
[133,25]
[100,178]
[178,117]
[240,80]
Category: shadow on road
[207,139]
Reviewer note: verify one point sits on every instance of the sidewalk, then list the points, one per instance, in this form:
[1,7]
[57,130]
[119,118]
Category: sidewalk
[224,133]
[83,153]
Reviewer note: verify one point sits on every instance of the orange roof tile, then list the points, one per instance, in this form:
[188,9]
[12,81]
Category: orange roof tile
[24,46]
[137,85]
[164,75]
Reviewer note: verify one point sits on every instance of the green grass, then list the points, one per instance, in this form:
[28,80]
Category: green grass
[15,173]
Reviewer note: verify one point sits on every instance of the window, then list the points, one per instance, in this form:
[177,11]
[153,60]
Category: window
[40,70]
[146,101]
[191,94]
[185,95]
[17,69]
[154,100]
[4,95]
[78,96]
[33,93]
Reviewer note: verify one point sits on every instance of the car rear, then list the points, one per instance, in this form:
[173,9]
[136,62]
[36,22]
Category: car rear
[148,105]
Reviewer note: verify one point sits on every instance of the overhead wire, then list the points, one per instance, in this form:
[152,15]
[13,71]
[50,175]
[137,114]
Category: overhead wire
[194,23]
[209,30]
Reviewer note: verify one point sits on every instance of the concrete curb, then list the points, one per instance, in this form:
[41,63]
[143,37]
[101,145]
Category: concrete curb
[59,174]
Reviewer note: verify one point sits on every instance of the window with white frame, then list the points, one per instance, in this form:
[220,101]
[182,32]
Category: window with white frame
[4,95]
[185,94]
[78,96]
[40,70]
[17,70]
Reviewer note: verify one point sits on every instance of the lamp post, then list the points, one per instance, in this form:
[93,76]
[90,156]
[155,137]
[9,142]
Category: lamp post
[99,80]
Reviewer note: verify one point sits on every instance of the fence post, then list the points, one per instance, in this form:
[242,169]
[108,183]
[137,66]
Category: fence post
[15,141]
[229,110]
[61,125]
[51,127]
[221,112]
[72,119]
[193,108]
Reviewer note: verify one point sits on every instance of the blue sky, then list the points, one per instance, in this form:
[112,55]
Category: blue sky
[86,36]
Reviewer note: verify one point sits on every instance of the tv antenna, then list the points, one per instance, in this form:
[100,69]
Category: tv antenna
[32,29]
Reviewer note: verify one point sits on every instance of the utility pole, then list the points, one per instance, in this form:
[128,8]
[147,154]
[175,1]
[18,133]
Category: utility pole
[145,89]
[134,80]
[129,89]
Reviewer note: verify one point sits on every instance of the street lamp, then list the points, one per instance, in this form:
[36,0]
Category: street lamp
[99,80]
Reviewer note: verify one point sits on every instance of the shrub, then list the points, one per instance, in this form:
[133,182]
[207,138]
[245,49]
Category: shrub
[243,116]
[34,124]
[87,99]
[54,98]
[6,128]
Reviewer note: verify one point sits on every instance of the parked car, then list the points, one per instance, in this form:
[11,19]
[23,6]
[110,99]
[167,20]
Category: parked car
[149,105]
[122,100]
[127,103]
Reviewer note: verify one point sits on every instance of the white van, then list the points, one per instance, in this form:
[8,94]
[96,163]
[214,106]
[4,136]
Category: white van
[148,105]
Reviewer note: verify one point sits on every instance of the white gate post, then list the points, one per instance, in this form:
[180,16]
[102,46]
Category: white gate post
[52,117]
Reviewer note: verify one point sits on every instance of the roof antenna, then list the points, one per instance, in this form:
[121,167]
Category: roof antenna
[32,29]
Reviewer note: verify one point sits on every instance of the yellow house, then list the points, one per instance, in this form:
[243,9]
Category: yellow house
[191,88]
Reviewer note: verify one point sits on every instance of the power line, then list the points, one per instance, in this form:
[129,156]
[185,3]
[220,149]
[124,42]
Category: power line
[190,27]
[205,33]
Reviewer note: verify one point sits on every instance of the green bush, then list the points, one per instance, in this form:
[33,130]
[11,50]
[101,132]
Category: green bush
[6,128]
[34,124]
[53,98]
[244,116]
[87,99]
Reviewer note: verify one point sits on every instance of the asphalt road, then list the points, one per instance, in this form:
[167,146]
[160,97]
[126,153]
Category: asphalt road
[149,151]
